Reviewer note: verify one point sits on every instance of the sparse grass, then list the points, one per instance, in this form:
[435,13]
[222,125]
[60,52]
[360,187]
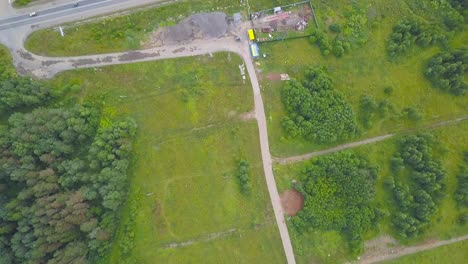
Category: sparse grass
[450,254]
[364,71]
[317,244]
[185,160]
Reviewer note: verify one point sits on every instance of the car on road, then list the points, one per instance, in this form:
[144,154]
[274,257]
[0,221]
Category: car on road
[76,4]
[32,14]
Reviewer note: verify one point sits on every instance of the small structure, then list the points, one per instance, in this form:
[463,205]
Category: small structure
[254,50]
[251,34]
[285,77]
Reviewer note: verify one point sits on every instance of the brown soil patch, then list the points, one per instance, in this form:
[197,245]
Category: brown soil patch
[274,76]
[248,115]
[292,202]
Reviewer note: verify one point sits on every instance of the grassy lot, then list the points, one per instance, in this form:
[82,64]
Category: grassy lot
[127,32]
[119,33]
[317,245]
[450,254]
[364,71]
[183,176]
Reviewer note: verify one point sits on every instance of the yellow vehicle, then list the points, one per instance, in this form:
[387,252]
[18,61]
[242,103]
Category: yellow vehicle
[251,34]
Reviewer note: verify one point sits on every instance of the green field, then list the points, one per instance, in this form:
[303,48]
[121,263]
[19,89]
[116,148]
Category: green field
[190,134]
[450,254]
[318,244]
[364,71]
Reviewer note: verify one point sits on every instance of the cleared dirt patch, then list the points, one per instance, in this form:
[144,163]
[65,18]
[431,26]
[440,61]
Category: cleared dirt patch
[274,76]
[197,26]
[292,202]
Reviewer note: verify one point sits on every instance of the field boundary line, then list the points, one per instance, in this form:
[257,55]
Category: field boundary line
[307,156]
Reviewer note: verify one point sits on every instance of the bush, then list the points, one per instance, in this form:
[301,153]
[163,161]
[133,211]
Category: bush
[243,176]
[17,92]
[407,32]
[336,28]
[315,111]
[416,198]
[338,191]
[447,70]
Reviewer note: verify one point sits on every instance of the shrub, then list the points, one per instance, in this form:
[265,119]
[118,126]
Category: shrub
[447,70]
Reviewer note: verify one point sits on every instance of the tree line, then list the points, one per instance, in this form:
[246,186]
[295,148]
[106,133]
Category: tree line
[19,91]
[65,179]
[63,175]
[447,70]
[408,32]
[461,193]
[417,186]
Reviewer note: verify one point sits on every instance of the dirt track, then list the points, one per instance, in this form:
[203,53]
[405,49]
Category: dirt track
[307,156]
[400,252]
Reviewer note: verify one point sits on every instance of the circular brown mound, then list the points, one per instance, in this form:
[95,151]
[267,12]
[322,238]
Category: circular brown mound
[292,201]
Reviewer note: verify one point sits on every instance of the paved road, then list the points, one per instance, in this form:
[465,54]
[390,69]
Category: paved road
[54,12]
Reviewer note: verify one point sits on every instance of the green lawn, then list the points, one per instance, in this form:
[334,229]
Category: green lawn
[364,71]
[183,176]
[450,254]
[317,244]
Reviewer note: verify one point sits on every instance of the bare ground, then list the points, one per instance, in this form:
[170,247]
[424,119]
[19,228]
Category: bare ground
[292,202]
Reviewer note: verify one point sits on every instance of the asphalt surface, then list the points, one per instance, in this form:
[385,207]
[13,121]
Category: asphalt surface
[55,12]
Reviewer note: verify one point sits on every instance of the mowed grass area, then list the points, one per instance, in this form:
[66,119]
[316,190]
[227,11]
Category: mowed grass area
[190,134]
[364,71]
[316,245]
[450,254]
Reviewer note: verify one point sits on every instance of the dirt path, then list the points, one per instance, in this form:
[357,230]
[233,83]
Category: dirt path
[310,155]
[403,251]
